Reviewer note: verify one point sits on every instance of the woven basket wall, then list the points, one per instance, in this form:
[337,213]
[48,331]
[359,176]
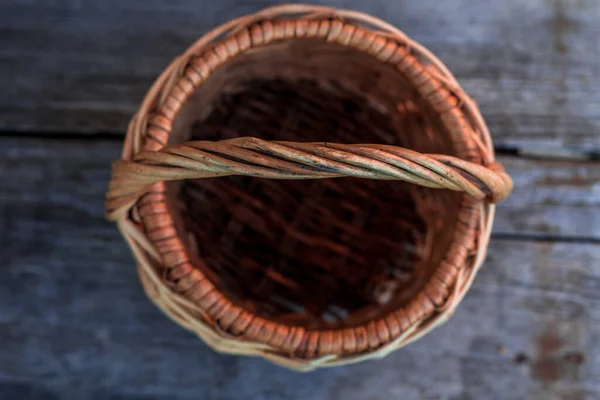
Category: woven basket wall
[308,185]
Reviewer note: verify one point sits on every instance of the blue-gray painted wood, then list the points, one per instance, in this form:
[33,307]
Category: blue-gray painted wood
[75,323]
[84,66]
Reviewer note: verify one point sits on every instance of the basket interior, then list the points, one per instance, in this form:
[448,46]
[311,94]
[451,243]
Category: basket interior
[316,253]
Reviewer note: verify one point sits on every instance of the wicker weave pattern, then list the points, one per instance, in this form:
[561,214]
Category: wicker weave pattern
[147,162]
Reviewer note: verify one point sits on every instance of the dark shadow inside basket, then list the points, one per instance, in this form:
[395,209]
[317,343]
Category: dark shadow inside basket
[316,253]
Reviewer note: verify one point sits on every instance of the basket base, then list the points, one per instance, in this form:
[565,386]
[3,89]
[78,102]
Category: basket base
[322,253]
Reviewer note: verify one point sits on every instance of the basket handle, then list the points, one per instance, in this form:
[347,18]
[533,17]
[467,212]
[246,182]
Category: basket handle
[292,160]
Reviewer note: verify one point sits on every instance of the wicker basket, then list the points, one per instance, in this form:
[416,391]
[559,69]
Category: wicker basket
[302,269]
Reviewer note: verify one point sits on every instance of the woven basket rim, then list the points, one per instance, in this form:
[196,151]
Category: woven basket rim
[150,129]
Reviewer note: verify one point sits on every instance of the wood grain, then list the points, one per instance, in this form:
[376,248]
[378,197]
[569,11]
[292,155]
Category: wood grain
[74,322]
[83,67]
[82,328]
[550,198]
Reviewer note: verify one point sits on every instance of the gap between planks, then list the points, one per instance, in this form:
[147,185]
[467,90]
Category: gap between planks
[558,153]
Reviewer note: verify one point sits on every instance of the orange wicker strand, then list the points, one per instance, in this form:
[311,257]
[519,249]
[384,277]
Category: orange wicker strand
[308,185]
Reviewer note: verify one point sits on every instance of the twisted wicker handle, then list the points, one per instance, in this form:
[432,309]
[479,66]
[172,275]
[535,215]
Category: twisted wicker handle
[291,160]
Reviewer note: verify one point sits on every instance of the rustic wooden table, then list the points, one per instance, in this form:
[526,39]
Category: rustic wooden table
[74,322]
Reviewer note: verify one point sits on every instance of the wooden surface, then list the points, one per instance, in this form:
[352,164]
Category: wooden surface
[74,322]
[83,66]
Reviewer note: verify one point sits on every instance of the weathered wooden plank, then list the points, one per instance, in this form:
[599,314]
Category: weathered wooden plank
[550,197]
[74,322]
[84,66]
[83,329]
